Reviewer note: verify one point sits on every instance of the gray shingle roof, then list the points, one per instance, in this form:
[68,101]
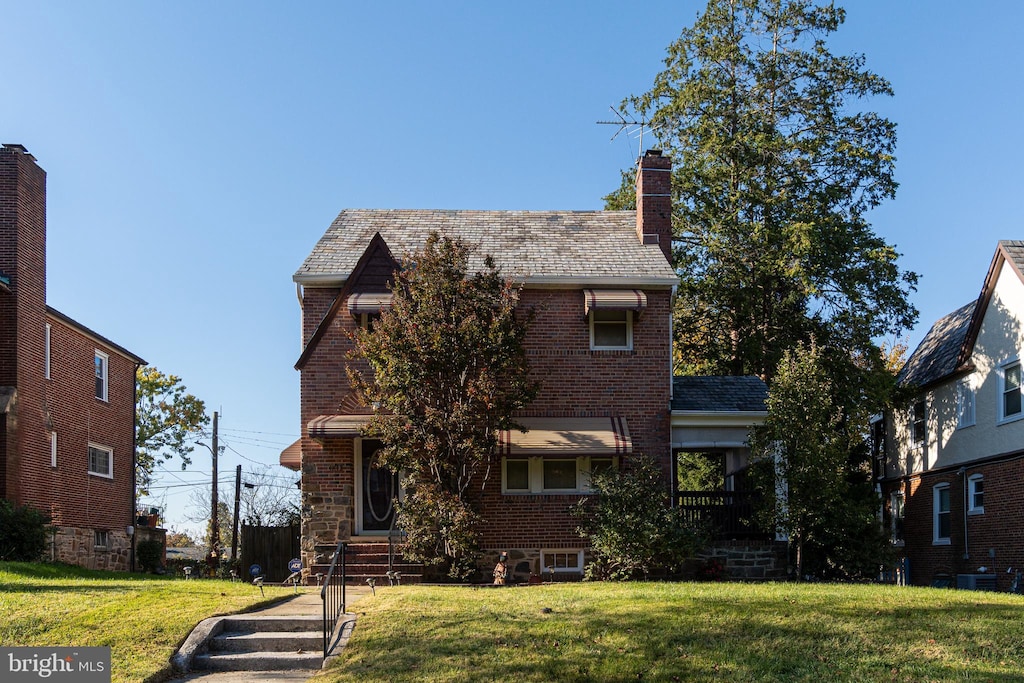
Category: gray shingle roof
[936,356]
[719,393]
[1015,251]
[529,245]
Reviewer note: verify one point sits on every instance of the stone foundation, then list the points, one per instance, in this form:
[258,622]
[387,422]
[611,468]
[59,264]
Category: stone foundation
[749,561]
[326,519]
[73,545]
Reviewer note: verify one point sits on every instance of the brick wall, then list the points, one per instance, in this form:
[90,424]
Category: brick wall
[23,323]
[575,382]
[994,539]
[78,503]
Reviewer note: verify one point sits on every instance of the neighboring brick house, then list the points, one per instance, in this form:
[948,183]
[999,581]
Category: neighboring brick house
[952,465]
[67,394]
[600,286]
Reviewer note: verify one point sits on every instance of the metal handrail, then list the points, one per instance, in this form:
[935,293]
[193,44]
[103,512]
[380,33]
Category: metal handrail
[333,595]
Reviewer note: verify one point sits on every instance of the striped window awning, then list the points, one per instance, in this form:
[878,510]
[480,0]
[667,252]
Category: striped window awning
[291,457]
[614,299]
[327,426]
[369,303]
[567,436]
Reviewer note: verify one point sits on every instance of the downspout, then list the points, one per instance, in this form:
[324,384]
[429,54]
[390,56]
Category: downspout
[963,478]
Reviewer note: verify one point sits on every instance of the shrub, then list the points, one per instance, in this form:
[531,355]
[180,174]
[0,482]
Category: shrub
[23,532]
[631,528]
[149,553]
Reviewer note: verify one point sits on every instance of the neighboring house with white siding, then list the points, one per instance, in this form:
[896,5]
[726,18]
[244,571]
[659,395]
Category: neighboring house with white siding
[952,465]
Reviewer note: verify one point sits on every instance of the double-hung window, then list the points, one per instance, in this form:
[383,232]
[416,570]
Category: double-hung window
[102,363]
[101,461]
[942,516]
[896,516]
[46,352]
[611,329]
[611,314]
[917,423]
[964,404]
[976,495]
[1010,391]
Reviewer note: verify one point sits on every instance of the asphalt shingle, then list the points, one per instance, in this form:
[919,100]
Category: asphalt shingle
[935,357]
[719,393]
[525,244]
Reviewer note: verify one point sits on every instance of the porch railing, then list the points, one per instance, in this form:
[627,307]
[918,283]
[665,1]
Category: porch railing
[333,594]
[727,515]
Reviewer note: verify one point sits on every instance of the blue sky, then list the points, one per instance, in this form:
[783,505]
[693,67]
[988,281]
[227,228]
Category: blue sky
[196,151]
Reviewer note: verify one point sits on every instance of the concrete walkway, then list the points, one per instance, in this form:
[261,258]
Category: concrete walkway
[306,603]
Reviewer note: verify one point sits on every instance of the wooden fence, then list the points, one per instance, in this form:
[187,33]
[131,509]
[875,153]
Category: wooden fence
[271,547]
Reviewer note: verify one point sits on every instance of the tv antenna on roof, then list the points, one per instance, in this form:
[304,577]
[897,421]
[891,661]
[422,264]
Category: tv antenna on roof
[630,125]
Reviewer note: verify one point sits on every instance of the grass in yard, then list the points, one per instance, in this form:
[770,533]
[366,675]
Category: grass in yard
[142,618]
[684,632]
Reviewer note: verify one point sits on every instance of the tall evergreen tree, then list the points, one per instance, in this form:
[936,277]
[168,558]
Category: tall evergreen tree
[775,172]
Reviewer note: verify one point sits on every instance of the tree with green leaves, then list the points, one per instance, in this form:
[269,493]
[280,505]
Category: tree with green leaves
[168,420]
[818,493]
[775,171]
[444,369]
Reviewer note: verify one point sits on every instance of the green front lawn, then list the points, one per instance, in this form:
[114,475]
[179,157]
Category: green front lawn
[684,632]
[142,618]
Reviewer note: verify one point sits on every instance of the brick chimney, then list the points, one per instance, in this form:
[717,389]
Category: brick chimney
[654,201]
[22,305]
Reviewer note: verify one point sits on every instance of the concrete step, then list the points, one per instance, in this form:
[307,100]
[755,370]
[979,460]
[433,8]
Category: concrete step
[267,641]
[258,661]
[253,623]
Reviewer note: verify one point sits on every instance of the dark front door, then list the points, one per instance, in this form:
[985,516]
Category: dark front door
[380,488]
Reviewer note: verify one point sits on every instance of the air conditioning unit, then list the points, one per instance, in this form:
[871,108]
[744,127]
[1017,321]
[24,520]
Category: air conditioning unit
[976,582]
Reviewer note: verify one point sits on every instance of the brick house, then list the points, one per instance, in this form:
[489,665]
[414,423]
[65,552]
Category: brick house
[67,394]
[600,286]
[953,456]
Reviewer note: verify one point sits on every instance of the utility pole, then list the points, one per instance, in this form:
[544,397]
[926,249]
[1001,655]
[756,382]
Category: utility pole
[214,522]
[234,531]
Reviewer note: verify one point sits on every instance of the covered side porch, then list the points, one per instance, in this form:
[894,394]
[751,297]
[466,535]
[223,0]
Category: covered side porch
[712,417]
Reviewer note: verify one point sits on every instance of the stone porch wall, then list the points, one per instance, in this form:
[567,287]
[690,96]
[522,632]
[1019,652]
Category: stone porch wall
[749,560]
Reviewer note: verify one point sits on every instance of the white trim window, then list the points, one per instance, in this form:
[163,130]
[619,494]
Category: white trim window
[897,514]
[611,329]
[918,423]
[53,449]
[561,561]
[964,404]
[1010,407]
[942,516]
[101,461]
[551,475]
[46,353]
[976,494]
[100,539]
[101,363]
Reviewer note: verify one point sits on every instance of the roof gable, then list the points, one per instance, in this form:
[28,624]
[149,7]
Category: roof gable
[949,344]
[532,246]
[1010,253]
[373,272]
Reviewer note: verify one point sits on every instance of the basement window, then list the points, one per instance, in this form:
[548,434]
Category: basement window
[100,539]
[561,561]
